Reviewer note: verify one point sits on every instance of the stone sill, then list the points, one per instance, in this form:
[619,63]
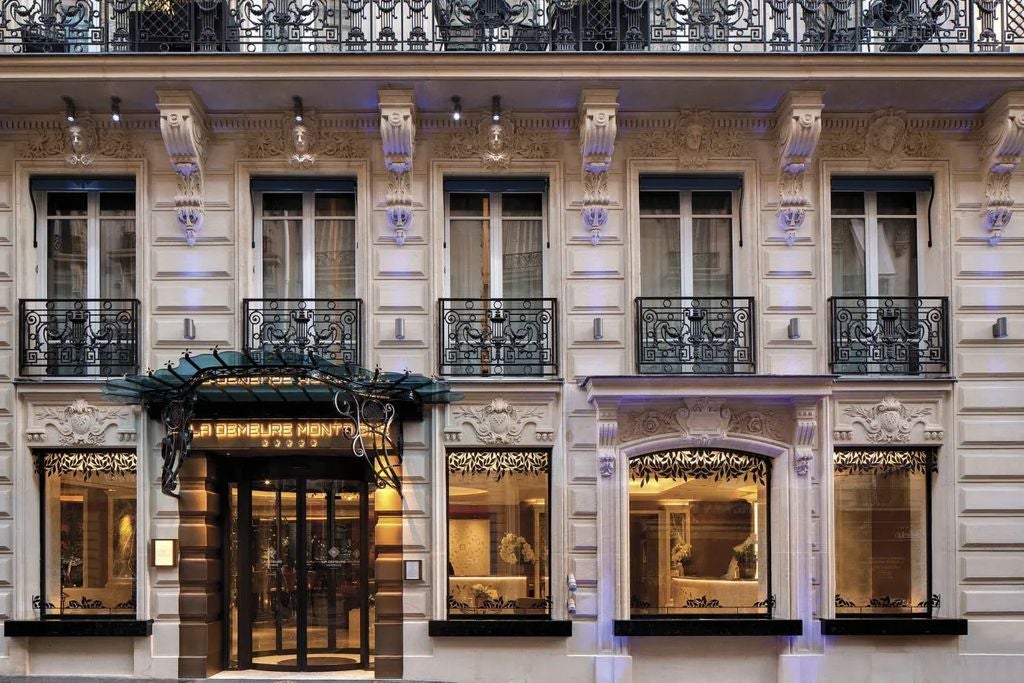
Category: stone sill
[79,628]
[708,627]
[499,628]
[882,626]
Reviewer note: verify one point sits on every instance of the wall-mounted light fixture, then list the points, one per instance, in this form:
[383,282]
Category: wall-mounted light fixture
[598,328]
[115,109]
[794,328]
[190,328]
[1000,328]
[297,108]
[69,109]
[399,328]
[456,108]
[496,108]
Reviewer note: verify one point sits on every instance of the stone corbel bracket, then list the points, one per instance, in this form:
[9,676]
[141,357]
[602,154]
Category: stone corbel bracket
[1002,140]
[598,125]
[799,129]
[398,136]
[185,130]
[805,439]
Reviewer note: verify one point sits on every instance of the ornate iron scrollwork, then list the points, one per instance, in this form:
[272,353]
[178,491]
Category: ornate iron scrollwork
[174,449]
[498,337]
[689,335]
[79,337]
[373,416]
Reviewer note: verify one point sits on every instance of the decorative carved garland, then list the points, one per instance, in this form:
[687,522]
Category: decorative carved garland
[698,464]
[498,463]
[88,463]
[885,461]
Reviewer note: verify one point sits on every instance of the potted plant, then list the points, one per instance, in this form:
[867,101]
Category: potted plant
[683,554]
[746,559]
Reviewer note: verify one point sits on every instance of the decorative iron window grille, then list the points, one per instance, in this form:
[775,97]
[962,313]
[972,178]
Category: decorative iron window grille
[346,26]
[330,328]
[78,337]
[889,335]
[502,337]
[498,463]
[700,463]
[695,335]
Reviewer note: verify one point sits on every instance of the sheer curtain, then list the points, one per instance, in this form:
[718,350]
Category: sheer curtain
[848,252]
[659,257]
[522,258]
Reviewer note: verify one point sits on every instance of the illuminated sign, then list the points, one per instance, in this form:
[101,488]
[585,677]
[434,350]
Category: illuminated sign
[286,434]
[271,381]
[165,552]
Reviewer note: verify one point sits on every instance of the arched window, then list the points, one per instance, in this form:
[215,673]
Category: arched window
[698,534]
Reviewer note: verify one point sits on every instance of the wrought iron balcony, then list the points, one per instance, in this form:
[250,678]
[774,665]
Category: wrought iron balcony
[78,337]
[359,26]
[499,337]
[889,335]
[712,335]
[330,328]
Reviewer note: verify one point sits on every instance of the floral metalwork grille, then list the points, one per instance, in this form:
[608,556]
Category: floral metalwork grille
[497,464]
[690,335]
[498,337]
[889,335]
[885,461]
[698,464]
[330,328]
[79,337]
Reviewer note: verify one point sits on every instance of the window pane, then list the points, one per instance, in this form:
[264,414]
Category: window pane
[335,259]
[699,544]
[712,203]
[498,533]
[282,259]
[67,204]
[847,203]
[335,204]
[522,258]
[897,203]
[897,257]
[881,533]
[519,205]
[472,205]
[659,257]
[89,533]
[848,267]
[712,257]
[66,260]
[277,204]
[659,203]
[470,259]
[117,245]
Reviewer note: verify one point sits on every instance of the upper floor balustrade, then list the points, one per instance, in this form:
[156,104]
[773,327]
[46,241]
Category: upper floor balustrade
[78,337]
[889,335]
[330,328]
[498,337]
[364,26]
[690,335]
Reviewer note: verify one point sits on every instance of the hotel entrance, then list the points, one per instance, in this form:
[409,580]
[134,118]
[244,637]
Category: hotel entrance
[301,555]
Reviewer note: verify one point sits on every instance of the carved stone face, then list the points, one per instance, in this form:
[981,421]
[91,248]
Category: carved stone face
[886,133]
[693,136]
[77,138]
[496,139]
[301,137]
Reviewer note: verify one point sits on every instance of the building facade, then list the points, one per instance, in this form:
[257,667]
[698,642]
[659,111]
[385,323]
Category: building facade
[368,336]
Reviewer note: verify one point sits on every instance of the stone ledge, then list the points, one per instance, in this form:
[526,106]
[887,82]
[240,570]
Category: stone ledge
[79,628]
[499,628]
[871,626]
[708,627]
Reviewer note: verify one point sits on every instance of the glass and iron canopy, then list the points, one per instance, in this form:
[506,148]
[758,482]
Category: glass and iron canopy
[251,384]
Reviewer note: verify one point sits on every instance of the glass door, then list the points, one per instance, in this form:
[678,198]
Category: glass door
[300,557]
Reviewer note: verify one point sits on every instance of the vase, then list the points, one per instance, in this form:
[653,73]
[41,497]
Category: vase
[747,571]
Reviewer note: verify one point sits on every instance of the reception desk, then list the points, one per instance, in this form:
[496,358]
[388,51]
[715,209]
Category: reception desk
[728,593]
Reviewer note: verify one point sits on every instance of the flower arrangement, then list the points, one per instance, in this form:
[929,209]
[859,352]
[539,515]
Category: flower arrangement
[482,592]
[682,552]
[746,558]
[515,549]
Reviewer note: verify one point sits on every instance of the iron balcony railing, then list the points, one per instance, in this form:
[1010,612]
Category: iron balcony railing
[78,337]
[356,26]
[711,335]
[331,328]
[498,337]
[889,335]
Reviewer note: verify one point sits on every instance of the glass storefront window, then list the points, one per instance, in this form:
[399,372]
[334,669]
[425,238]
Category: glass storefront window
[498,533]
[89,522]
[698,534]
[882,507]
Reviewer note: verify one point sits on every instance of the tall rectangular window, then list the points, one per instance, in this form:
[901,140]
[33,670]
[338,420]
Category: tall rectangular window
[498,533]
[698,534]
[88,518]
[882,532]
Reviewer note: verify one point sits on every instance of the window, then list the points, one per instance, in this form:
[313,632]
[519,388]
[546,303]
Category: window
[496,321]
[698,534]
[308,245]
[88,533]
[882,532]
[498,534]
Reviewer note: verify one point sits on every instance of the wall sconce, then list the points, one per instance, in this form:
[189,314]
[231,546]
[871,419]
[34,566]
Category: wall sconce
[456,108]
[598,328]
[412,570]
[115,109]
[794,328]
[297,108]
[496,108]
[1000,329]
[69,109]
[190,328]
[399,328]
[571,583]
